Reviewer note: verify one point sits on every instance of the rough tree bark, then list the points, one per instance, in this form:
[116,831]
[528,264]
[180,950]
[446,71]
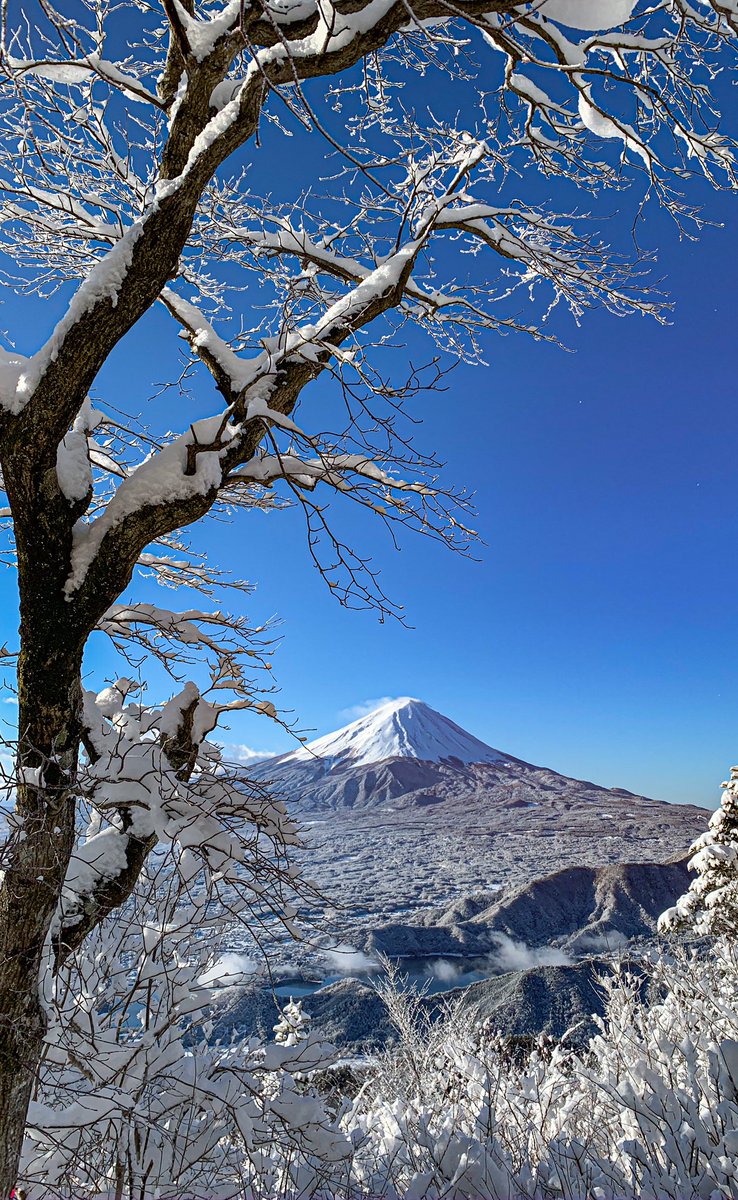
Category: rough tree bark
[49,693]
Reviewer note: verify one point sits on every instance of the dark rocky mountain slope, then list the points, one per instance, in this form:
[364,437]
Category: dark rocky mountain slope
[580,909]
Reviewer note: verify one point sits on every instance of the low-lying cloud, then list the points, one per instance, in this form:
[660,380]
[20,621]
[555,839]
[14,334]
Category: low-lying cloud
[343,959]
[230,969]
[516,956]
[444,970]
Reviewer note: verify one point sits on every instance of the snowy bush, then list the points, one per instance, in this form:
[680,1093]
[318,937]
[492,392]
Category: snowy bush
[649,1111]
[134,1101]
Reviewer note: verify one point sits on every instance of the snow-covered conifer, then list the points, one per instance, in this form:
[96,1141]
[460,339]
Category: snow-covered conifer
[711,903]
[292,1026]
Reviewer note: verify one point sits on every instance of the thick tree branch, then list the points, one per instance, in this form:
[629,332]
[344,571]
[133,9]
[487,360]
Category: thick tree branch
[135,271]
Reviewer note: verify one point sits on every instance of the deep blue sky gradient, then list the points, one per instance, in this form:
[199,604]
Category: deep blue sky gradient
[597,634]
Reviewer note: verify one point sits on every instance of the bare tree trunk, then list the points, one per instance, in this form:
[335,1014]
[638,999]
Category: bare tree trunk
[42,838]
[38,855]
[27,904]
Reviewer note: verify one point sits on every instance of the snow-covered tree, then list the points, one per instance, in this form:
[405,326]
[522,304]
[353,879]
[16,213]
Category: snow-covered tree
[135,1098]
[710,906]
[134,141]
[292,1026]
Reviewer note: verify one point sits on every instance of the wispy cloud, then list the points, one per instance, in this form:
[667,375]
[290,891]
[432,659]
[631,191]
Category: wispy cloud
[364,707]
[344,959]
[240,753]
[230,969]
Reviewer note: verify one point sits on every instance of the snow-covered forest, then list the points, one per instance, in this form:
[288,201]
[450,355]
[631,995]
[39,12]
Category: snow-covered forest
[128,138]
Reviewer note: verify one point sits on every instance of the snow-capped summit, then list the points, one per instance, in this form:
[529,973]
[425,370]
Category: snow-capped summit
[404,728]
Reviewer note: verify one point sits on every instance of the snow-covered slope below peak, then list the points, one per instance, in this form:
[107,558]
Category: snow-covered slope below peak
[404,728]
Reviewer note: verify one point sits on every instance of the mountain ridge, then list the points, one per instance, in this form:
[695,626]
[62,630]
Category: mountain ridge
[582,909]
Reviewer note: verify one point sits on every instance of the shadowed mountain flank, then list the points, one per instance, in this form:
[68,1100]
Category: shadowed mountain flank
[578,909]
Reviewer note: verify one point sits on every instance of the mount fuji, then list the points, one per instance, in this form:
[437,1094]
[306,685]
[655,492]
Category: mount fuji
[404,728]
[402,749]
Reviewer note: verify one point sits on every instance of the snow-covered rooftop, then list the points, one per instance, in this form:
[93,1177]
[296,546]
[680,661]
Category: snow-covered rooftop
[405,728]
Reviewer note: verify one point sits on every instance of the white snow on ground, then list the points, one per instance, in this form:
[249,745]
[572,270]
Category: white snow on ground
[405,728]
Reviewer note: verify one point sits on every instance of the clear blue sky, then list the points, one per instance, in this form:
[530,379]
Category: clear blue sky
[598,633]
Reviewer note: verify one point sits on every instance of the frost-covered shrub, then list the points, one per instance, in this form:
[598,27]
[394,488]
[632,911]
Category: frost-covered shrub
[135,1101]
[649,1111]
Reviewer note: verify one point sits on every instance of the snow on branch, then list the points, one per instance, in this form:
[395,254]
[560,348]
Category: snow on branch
[153,778]
[646,54]
[66,71]
[387,494]
[176,639]
[173,474]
